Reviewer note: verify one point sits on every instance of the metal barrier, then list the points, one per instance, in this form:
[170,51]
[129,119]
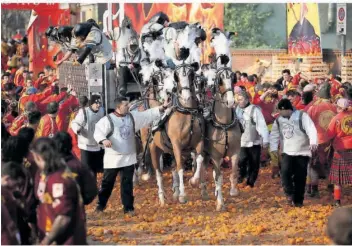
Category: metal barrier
[74,75]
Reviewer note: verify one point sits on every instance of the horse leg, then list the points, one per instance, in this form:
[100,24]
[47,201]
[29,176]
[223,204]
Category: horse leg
[193,156]
[175,184]
[203,185]
[234,175]
[155,153]
[195,179]
[218,178]
[178,158]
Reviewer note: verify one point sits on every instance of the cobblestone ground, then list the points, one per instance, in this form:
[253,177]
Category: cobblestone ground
[258,216]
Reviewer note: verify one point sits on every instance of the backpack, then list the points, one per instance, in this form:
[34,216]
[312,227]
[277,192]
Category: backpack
[299,122]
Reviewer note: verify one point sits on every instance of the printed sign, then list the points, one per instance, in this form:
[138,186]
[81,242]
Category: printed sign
[341,19]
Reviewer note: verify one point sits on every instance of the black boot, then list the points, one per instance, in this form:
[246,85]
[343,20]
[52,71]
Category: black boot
[315,192]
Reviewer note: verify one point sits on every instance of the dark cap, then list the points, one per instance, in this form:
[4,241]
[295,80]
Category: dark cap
[94,99]
[285,104]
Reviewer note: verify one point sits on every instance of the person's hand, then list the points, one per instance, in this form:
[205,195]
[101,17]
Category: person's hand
[130,66]
[313,147]
[59,62]
[73,93]
[107,143]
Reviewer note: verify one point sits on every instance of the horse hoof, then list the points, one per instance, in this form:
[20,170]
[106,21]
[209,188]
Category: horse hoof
[234,192]
[220,207]
[182,199]
[145,177]
[194,181]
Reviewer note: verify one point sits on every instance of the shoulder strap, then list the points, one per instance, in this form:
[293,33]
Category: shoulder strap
[85,117]
[252,114]
[300,122]
[134,123]
[111,126]
[278,126]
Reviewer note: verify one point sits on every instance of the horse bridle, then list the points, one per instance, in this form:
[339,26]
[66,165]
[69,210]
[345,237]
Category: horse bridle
[183,67]
[228,73]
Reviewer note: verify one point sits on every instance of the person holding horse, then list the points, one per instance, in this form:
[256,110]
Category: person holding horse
[116,132]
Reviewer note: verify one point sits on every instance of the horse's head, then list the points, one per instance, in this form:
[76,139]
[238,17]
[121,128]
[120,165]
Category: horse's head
[184,77]
[221,42]
[224,82]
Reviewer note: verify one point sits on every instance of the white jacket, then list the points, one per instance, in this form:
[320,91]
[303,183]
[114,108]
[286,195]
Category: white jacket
[86,139]
[293,141]
[254,126]
[123,150]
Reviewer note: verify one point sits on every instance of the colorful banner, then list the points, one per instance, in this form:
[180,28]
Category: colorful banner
[303,29]
[210,15]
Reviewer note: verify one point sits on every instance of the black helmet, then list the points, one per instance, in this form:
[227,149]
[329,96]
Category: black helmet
[54,34]
[160,18]
[48,31]
[65,33]
[93,22]
[82,29]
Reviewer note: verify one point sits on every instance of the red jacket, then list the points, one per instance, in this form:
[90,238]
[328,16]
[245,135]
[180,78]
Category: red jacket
[47,127]
[18,122]
[63,117]
[58,194]
[340,130]
[37,98]
[321,112]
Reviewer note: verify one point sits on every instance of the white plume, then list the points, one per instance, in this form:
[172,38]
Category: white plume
[210,74]
[155,50]
[221,45]
[147,71]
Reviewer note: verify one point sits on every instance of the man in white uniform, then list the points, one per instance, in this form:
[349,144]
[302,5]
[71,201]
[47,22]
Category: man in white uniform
[297,135]
[117,133]
[255,128]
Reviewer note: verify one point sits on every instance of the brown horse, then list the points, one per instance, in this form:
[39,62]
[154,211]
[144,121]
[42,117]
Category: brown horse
[181,133]
[153,78]
[223,132]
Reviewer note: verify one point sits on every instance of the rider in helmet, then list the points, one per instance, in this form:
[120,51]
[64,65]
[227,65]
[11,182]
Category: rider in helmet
[91,40]
[128,60]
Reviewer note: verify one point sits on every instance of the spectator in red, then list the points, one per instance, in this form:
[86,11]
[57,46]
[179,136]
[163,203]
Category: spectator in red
[61,215]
